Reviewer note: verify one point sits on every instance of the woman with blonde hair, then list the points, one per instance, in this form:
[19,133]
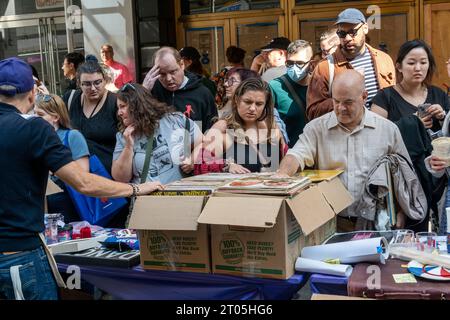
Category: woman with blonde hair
[52,108]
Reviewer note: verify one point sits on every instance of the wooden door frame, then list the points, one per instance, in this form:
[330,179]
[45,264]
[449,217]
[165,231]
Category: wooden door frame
[331,10]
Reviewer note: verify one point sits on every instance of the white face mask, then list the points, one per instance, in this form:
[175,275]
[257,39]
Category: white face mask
[296,73]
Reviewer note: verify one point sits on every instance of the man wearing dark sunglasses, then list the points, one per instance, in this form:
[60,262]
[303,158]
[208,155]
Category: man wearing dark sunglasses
[352,53]
[289,90]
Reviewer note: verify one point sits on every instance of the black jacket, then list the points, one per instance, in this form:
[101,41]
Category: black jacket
[194,94]
[418,144]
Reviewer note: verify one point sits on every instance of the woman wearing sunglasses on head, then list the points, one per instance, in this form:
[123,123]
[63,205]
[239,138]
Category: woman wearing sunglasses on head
[52,109]
[154,141]
[93,111]
[248,139]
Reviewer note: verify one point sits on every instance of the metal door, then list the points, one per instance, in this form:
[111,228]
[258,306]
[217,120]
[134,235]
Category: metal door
[40,40]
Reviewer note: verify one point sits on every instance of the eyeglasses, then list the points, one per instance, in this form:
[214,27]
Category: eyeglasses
[300,64]
[127,86]
[342,34]
[231,81]
[88,84]
[40,97]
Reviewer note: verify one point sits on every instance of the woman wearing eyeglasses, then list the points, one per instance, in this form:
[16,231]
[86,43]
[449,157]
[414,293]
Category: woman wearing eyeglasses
[93,111]
[52,109]
[144,120]
[247,140]
[233,78]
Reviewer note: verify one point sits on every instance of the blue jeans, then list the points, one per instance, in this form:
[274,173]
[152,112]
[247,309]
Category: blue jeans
[36,277]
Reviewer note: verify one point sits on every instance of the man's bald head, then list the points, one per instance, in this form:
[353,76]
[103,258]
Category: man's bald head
[351,79]
[349,98]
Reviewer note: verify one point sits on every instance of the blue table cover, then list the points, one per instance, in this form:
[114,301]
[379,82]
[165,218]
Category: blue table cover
[139,284]
[326,284]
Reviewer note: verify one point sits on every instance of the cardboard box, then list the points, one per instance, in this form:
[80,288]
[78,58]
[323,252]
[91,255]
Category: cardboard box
[262,236]
[169,234]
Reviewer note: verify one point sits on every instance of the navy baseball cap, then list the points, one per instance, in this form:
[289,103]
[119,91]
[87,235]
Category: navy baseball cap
[351,15]
[17,74]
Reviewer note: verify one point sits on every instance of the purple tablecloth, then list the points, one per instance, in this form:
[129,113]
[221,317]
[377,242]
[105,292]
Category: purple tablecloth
[325,284]
[139,284]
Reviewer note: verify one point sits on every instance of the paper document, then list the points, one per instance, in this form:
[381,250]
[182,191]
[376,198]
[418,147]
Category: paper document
[314,266]
[366,250]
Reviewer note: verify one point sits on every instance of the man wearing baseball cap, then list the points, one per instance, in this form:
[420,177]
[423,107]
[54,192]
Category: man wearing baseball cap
[274,55]
[353,53]
[29,149]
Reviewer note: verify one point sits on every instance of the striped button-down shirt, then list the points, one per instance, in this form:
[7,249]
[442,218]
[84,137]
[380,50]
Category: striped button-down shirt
[326,145]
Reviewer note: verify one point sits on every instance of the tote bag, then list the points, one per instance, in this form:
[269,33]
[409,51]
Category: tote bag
[96,211]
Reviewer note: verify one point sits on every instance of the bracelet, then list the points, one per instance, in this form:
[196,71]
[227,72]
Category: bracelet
[136,190]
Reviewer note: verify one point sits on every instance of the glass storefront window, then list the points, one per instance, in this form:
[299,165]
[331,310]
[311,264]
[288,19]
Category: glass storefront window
[300,2]
[18,7]
[189,7]
[251,37]
[210,44]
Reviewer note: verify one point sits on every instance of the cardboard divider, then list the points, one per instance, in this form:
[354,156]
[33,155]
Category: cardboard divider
[241,211]
[336,195]
[310,209]
[166,213]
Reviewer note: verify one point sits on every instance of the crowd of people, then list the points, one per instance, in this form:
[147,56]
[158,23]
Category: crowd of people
[348,106]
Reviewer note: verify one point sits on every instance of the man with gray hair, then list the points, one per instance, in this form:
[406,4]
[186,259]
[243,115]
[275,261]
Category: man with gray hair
[289,90]
[351,138]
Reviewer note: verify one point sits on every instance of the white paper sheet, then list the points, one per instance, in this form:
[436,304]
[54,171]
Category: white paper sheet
[314,266]
[366,250]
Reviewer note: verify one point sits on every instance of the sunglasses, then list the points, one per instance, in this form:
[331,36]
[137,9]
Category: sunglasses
[300,64]
[342,34]
[127,86]
[89,84]
[44,98]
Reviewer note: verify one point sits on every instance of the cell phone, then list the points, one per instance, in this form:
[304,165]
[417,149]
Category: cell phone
[422,109]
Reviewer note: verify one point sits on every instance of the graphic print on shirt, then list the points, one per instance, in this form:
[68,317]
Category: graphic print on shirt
[161,158]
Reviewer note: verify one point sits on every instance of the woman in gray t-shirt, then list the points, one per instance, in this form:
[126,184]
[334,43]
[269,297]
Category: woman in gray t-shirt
[173,137]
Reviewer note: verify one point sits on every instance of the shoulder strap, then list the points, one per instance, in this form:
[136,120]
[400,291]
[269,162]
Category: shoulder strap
[148,156]
[69,102]
[66,139]
[187,137]
[330,70]
[293,93]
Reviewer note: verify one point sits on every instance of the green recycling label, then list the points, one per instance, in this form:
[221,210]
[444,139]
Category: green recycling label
[231,248]
[160,247]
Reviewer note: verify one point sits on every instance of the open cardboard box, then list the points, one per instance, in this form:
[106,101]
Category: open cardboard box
[169,234]
[262,236]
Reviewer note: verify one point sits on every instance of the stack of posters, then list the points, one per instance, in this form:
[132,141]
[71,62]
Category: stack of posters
[266,185]
[201,185]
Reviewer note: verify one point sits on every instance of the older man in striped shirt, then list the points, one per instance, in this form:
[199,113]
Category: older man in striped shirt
[351,138]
